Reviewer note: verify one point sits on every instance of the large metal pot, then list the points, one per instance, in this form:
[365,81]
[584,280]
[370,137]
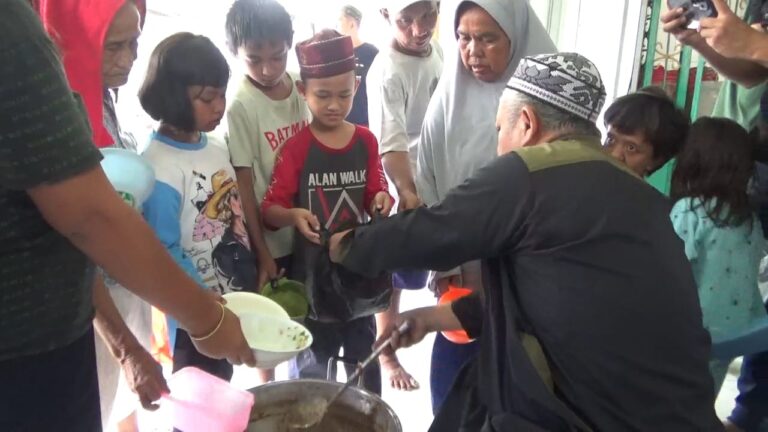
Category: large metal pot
[356,410]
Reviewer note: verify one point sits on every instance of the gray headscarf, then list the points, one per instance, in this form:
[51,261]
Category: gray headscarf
[459,132]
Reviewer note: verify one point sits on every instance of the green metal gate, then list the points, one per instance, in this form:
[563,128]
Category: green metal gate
[660,53]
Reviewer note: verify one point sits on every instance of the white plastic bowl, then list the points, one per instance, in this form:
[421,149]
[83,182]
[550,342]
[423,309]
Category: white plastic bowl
[242,303]
[274,339]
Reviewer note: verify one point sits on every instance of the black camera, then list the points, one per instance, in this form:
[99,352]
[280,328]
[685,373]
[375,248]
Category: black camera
[695,10]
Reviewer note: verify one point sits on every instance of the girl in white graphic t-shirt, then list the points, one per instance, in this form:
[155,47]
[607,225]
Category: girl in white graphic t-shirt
[195,207]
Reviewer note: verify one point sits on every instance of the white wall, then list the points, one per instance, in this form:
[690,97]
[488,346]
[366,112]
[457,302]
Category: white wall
[606,31]
[207,17]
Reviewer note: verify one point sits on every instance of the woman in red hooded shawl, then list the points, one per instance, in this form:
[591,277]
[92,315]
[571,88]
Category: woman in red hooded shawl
[98,40]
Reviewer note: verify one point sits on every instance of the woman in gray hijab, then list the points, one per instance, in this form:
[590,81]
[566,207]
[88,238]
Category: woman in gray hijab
[459,132]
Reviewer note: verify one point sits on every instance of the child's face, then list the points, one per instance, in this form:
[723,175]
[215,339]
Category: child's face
[208,105]
[265,61]
[330,99]
[634,150]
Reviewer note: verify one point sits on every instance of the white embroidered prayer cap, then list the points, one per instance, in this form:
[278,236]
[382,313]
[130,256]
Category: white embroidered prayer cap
[567,81]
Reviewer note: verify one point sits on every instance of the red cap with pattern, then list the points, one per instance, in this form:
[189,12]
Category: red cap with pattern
[327,54]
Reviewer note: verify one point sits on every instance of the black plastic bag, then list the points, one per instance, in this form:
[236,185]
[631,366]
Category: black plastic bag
[343,294]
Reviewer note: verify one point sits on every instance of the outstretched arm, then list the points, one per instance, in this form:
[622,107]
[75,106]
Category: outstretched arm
[481,218]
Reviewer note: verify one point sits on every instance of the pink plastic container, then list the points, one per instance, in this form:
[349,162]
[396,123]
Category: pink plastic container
[200,402]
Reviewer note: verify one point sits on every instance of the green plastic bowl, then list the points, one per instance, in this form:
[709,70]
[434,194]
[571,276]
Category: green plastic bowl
[289,294]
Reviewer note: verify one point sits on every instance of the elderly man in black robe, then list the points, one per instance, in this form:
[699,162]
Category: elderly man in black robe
[590,320]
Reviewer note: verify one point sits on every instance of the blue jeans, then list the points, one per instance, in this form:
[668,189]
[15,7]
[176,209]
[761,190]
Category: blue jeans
[751,409]
[447,360]
[410,279]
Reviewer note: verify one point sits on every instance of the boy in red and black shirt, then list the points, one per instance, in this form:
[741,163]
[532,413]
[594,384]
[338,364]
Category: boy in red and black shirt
[328,175]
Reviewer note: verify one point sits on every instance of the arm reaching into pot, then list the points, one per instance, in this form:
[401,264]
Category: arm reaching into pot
[87,211]
[480,219]
[465,313]
[421,321]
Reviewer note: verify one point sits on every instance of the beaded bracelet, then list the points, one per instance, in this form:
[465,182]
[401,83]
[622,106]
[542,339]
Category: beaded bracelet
[218,326]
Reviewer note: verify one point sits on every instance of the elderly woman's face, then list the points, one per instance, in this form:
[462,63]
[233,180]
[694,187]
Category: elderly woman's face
[485,48]
[120,45]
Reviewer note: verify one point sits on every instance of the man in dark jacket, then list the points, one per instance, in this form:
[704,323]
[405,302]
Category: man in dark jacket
[591,319]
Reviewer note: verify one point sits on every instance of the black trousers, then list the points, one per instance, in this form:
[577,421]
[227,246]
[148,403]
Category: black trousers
[356,337]
[185,354]
[54,391]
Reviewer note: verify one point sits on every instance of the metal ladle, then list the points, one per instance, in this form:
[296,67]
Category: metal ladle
[311,412]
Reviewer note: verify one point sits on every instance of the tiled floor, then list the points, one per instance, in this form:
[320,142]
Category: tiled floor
[725,400]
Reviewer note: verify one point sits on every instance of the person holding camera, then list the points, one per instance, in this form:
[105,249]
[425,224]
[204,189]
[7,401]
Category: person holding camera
[740,53]
[738,103]
[729,44]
